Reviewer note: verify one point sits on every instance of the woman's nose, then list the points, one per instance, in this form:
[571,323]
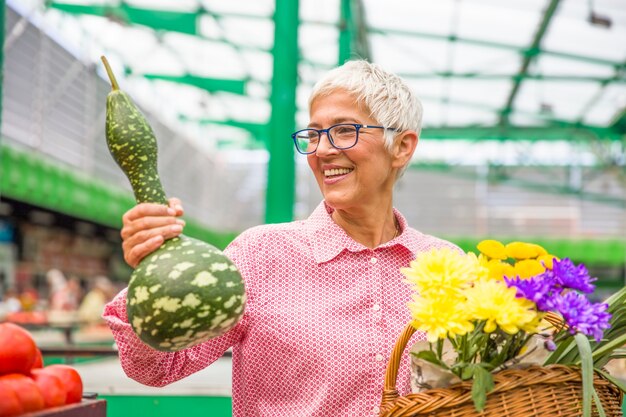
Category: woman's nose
[325,146]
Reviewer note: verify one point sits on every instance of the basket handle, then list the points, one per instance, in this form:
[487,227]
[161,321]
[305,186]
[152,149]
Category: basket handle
[390,393]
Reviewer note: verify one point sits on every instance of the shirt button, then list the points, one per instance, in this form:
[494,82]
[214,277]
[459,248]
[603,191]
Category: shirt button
[379,357]
[376,409]
[373,261]
[376,307]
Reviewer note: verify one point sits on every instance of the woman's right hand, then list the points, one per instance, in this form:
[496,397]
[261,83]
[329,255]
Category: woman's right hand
[146,226]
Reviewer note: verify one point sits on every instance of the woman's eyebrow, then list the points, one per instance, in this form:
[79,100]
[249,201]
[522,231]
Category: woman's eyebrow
[334,122]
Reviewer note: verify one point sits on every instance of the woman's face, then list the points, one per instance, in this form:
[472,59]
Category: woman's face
[352,177]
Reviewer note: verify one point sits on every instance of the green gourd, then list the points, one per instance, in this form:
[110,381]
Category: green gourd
[187,291]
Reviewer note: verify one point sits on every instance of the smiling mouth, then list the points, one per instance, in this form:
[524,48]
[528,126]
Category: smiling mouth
[330,173]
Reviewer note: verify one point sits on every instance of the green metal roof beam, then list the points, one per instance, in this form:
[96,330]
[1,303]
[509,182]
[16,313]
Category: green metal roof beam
[281,170]
[619,122]
[183,22]
[514,77]
[518,133]
[528,58]
[258,130]
[496,45]
[167,17]
[469,173]
[600,132]
[209,84]
[353,42]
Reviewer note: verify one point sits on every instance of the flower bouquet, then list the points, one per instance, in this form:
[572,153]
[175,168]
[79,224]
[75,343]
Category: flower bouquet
[510,332]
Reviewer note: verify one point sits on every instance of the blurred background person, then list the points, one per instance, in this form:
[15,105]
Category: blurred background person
[61,296]
[92,306]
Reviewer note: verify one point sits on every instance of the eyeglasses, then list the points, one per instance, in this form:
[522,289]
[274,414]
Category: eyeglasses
[340,136]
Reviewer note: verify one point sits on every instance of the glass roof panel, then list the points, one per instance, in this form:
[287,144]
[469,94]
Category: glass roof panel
[250,31]
[256,8]
[605,110]
[327,11]
[420,17]
[498,21]
[555,99]
[552,65]
[319,43]
[466,59]
[572,32]
[472,92]
[404,54]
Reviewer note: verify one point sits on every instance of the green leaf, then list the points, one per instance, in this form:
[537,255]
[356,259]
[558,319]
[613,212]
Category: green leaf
[584,348]
[608,348]
[430,356]
[468,372]
[618,383]
[596,400]
[617,298]
[483,383]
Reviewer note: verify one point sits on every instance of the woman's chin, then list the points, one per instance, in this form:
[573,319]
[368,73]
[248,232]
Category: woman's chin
[336,201]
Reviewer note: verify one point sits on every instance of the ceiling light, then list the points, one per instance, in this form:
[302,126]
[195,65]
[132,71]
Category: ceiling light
[599,20]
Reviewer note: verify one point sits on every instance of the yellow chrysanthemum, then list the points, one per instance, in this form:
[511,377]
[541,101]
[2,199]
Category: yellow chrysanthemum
[523,250]
[495,303]
[439,317]
[528,268]
[492,249]
[540,249]
[547,260]
[497,269]
[441,271]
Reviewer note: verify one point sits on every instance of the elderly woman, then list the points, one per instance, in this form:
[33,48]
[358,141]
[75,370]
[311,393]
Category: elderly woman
[326,299]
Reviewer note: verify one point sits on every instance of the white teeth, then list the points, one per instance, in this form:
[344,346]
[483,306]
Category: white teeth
[339,171]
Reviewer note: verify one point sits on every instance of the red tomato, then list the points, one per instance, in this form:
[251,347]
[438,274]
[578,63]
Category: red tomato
[71,380]
[17,349]
[9,403]
[26,390]
[38,360]
[50,387]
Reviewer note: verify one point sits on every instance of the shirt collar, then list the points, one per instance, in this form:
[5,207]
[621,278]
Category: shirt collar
[328,239]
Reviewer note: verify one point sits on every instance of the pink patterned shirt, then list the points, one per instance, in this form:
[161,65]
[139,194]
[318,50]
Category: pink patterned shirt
[322,317]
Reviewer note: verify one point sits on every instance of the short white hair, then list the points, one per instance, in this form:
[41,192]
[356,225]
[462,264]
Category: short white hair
[387,97]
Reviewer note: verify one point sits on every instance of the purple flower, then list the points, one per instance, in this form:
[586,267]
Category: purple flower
[581,315]
[571,276]
[537,289]
[550,345]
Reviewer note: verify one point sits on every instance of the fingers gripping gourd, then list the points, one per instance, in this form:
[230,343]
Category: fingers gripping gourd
[187,291]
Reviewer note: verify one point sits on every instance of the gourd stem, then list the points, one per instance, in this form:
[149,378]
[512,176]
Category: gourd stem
[114,84]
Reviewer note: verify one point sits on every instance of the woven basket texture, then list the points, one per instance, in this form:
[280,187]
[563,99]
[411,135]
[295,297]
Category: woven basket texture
[554,390]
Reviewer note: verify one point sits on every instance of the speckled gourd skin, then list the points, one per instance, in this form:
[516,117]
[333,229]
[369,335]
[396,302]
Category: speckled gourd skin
[187,291]
[184,293]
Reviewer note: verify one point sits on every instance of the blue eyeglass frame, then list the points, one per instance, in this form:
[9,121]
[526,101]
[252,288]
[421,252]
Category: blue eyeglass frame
[358,127]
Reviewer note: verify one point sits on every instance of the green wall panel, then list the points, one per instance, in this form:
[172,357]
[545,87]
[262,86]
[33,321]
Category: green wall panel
[36,180]
[167,406]
[609,252]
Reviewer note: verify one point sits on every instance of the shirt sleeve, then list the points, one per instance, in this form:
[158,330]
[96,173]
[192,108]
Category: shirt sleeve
[156,368]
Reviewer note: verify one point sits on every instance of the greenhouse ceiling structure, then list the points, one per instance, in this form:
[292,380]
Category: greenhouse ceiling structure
[516,82]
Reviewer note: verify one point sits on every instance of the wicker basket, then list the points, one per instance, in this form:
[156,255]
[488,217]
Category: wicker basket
[554,390]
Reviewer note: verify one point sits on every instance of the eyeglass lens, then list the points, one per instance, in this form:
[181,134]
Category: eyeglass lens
[342,136]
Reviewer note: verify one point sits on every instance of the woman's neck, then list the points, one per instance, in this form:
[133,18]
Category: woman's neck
[370,229]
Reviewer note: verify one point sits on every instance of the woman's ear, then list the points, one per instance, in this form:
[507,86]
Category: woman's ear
[404,147]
